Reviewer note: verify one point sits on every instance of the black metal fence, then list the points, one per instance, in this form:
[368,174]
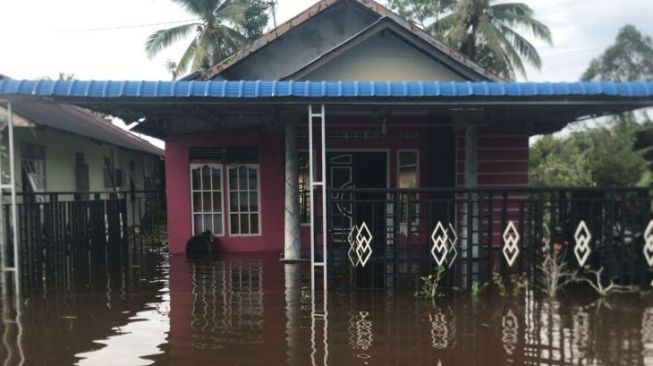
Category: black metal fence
[58,231]
[468,231]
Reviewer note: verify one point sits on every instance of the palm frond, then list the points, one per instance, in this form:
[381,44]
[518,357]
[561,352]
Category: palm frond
[525,49]
[166,37]
[186,58]
[520,15]
[198,7]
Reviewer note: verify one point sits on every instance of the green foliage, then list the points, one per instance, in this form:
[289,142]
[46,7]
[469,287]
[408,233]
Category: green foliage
[477,288]
[223,27]
[602,156]
[629,58]
[519,283]
[430,285]
[497,280]
[488,31]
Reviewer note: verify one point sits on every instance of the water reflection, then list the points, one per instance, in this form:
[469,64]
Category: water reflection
[253,310]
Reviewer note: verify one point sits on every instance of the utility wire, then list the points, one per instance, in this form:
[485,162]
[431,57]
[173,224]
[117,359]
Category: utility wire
[119,27]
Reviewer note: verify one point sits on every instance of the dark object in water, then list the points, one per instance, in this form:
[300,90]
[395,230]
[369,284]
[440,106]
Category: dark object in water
[204,244]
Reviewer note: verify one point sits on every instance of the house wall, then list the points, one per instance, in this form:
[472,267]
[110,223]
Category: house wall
[60,149]
[502,157]
[272,170]
[383,57]
[271,162]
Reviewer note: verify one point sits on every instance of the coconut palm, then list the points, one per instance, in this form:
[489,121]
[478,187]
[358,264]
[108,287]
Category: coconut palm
[489,32]
[222,27]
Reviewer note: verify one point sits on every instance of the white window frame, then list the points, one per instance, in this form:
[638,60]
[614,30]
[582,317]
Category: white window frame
[192,204]
[417,183]
[258,191]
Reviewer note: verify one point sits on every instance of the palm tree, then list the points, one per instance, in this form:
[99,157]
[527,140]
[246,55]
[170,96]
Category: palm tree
[487,32]
[222,27]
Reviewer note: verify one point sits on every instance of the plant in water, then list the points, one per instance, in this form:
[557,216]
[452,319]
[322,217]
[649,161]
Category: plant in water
[554,273]
[604,290]
[497,280]
[430,285]
[477,288]
[519,283]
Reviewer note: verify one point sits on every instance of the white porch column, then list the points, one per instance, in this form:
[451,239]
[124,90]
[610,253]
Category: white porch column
[292,222]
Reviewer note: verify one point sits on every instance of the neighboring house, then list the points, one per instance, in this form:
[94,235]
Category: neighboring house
[423,118]
[63,148]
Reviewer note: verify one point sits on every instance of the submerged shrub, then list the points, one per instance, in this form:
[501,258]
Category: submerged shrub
[430,285]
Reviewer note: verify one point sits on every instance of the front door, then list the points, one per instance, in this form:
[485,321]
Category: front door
[358,170]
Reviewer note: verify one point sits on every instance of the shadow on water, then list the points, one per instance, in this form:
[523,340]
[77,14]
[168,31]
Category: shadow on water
[251,310]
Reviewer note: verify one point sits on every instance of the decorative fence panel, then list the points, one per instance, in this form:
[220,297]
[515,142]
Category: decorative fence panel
[394,236]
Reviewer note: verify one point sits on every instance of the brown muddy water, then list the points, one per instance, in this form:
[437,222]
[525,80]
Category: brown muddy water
[250,310]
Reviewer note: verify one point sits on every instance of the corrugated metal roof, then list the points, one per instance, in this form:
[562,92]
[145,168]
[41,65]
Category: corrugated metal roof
[80,122]
[317,89]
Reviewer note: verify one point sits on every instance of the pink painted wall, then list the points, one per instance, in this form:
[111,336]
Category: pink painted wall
[271,158]
[503,160]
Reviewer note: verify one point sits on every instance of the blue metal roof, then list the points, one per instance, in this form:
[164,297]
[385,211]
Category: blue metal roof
[317,89]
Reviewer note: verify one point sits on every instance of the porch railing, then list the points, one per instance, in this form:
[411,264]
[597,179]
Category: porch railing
[474,233]
[57,229]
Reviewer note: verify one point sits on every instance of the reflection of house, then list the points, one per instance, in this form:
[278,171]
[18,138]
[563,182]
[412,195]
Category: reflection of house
[63,148]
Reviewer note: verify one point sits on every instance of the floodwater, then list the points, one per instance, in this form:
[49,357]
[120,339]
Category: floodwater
[251,310]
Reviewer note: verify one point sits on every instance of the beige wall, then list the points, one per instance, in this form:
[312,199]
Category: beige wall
[386,58]
[60,149]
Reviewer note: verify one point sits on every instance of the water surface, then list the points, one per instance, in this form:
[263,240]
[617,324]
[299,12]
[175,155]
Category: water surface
[251,310]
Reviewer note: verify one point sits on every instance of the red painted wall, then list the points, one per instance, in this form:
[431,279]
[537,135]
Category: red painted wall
[271,158]
[503,161]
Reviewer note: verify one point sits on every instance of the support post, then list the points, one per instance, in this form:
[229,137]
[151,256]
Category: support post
[292,222]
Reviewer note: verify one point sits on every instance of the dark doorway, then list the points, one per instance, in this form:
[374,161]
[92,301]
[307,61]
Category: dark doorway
[360,170]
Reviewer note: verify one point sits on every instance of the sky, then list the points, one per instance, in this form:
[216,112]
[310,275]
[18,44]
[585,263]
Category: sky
[105,39]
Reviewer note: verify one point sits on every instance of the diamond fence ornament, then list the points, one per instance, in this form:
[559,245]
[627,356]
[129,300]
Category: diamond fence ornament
[582,250]
[363,248]
[510,240]
[351,239]
[440,240]
[648,246]
[453,245]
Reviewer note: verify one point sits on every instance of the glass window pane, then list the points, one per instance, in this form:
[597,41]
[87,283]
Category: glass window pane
[233,202]
[253,181]
[242,177]
[206,177]
[197,227]
[196,178]
[208,224]
[197,202]
[233,219]
[244,224]
[217,224]
[253,219]
[244,202]
[217,179]
[206,201]
[253,201]
[217,201]
[233,179]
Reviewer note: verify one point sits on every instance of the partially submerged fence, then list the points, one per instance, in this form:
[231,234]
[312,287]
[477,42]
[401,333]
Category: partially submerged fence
[61,230]
[388,238]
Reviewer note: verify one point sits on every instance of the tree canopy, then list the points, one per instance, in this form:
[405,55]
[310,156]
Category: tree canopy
[488,31]
[619,152]
[223,26]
